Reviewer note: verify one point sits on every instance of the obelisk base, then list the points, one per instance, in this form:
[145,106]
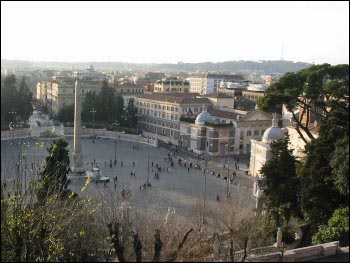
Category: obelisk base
[78,164]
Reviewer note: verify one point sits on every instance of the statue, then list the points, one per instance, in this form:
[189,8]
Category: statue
[279,238]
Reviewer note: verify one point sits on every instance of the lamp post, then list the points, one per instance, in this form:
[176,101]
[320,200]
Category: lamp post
[93,111]
[205,159]
[13,122]
[147,161]
[228,167]
[115,145]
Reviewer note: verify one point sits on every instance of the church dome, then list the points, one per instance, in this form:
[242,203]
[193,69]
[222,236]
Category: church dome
[203,117]
[273,133]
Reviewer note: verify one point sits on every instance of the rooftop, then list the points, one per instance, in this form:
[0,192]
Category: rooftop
[182,98]
[222,114]
[218,95]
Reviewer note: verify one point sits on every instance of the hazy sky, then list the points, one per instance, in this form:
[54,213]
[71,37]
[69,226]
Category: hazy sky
[175,31]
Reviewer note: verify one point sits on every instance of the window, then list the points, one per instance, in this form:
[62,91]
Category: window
[163,115]
[249,133]
[241,134]
[256,132]
[167,108]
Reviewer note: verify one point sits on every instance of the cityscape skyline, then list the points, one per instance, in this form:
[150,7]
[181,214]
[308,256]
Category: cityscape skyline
[172,32]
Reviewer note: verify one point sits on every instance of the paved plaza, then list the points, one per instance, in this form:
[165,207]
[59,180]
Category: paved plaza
[177,186]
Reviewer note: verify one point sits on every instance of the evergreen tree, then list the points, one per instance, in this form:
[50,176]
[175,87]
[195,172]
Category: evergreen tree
[119,109]
[9,96]
[25,99]
[66,114]
[53,178]
[91,102]
[340,166]
[131,114]
[280,182]
[106,105]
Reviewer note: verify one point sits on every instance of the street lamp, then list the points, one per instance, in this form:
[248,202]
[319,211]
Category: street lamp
[228,166]
[13,122]
[93,124]
[206,160]
[148,162]
[115,145]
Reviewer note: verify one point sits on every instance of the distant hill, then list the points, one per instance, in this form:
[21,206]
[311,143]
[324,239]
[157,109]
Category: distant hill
[262,67]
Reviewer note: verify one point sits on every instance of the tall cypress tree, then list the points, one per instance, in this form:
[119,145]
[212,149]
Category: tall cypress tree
[106,104]
[9,95]
[53,179]
[25,98]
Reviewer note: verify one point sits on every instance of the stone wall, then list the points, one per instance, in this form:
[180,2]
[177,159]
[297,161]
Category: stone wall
[300,254]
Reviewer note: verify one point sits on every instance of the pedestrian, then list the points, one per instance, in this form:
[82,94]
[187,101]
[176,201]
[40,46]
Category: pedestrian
[116,178]
[115,162]
[94,160]
[188,169]
[104,184]
[140,187]
[133,164]
[134,174]
[121,163]
[115,186]
[152,164]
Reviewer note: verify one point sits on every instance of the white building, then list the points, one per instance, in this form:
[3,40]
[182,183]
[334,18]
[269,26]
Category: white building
[210,82]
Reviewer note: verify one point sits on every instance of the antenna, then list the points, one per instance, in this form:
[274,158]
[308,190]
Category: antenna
[282,52]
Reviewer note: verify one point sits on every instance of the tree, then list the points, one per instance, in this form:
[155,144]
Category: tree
[340,165]
[53,178]
[119,109]
[66,114]
[280,182]
[315,90]
[106,111]
[91,102]
[337,228]
[131,114]
[25,100]
[9,100]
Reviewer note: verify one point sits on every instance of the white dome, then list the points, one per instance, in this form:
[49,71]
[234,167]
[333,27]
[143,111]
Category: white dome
[203,117]
[273,133]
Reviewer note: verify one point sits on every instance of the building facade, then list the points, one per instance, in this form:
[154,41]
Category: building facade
[210,82]
[171,85]
[161,113]
[60,92]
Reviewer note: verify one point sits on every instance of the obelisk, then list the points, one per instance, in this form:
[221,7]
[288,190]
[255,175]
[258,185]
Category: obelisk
[78,156]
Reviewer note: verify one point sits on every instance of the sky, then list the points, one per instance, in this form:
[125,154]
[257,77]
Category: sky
[170,32]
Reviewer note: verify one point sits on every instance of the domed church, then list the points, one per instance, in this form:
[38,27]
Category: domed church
[260,150]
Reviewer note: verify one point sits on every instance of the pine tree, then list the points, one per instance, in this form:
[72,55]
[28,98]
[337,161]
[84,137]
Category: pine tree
[53,178]
[280,183]
[25,99]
